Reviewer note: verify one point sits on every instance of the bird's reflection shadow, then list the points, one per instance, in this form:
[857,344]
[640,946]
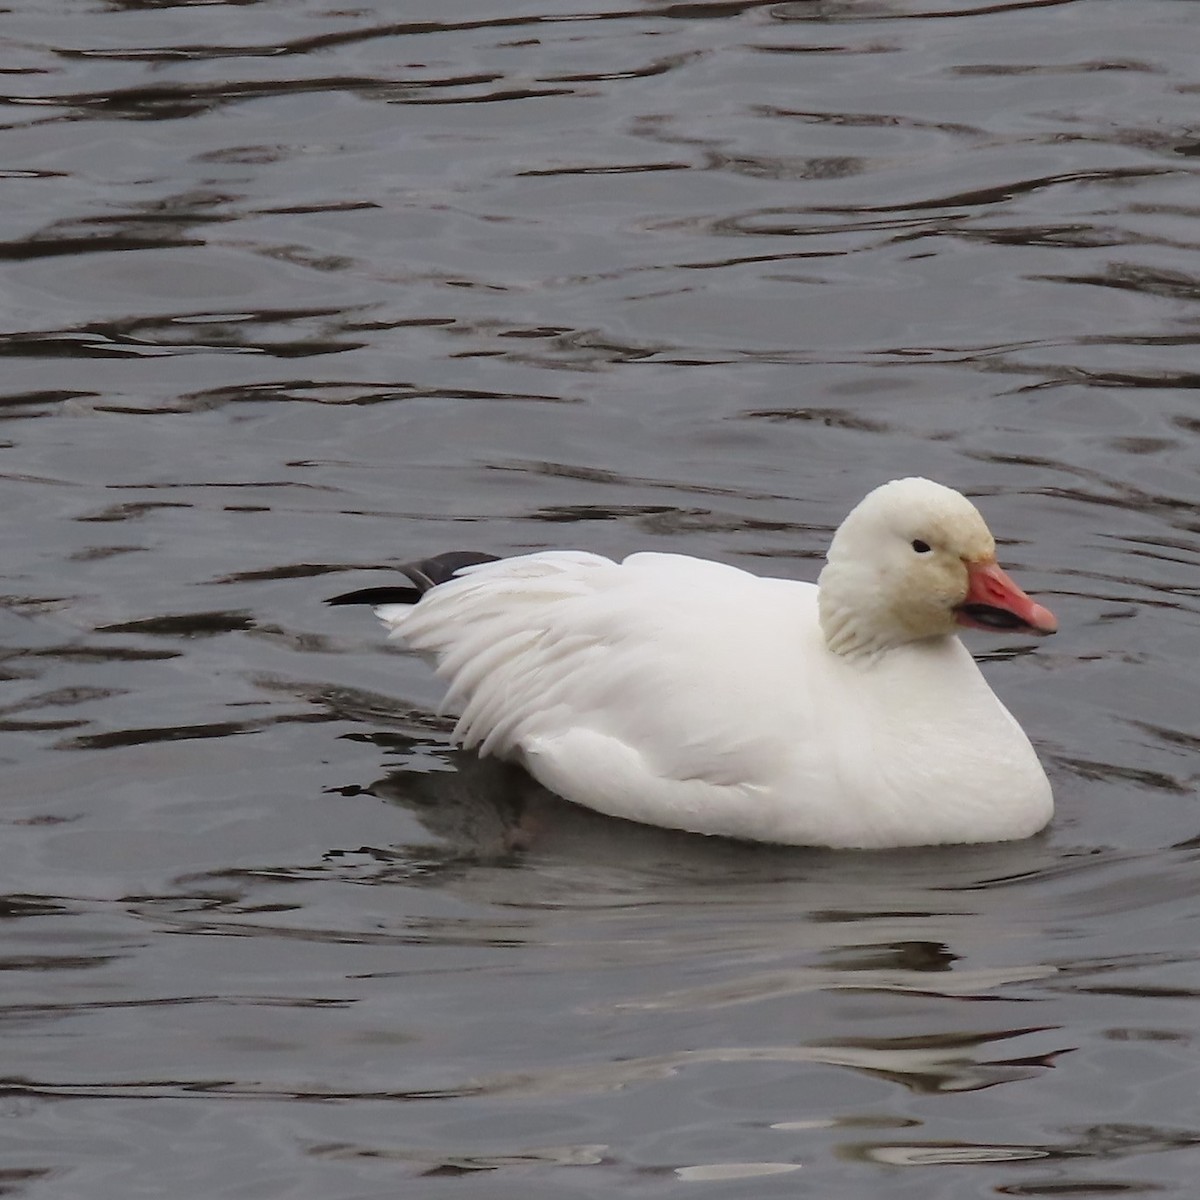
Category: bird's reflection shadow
[483,811]
[486,810]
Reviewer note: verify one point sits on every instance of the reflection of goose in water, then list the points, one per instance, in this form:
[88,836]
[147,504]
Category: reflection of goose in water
[487,810]
[486,813]
[692,695]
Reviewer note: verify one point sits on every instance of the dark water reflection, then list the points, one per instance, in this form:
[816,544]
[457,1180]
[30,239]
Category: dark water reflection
[294,292]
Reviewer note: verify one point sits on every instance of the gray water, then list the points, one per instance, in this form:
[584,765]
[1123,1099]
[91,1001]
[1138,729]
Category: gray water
[292,293]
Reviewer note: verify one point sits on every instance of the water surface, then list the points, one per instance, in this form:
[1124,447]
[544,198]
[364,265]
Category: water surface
[292,293]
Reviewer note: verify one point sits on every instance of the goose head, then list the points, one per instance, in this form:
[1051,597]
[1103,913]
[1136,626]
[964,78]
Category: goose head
[914,560]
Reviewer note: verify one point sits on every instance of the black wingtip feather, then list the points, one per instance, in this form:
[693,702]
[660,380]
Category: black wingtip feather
[425,574]
[378,595]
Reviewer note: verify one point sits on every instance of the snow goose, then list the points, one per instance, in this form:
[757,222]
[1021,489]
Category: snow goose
[693,695]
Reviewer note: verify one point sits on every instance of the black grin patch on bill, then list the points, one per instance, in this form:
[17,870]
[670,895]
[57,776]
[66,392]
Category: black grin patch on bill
[991,617]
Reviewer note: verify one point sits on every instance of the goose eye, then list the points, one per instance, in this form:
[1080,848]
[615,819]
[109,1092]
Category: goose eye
[921,547]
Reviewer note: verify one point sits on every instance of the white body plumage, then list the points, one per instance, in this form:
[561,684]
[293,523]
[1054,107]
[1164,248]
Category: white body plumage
[694,695]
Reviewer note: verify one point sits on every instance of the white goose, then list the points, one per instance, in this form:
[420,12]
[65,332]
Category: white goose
[693,695]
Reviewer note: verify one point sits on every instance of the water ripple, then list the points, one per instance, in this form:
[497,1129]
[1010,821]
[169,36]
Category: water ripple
[293,292]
